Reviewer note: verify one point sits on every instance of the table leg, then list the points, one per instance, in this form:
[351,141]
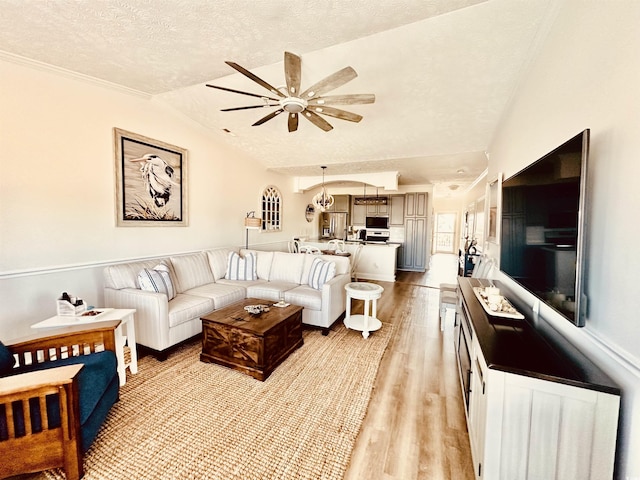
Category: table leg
[365,322]
[131,341]
[120,355]
[348,309]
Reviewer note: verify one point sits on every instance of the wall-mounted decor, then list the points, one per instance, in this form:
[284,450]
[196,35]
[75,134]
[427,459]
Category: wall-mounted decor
[494,205]
[271,209]
[309,213]
[151,181]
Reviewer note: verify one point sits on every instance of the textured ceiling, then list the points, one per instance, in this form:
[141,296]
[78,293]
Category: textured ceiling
[442,70]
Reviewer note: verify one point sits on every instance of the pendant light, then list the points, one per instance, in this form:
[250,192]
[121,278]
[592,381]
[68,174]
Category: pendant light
[322,200]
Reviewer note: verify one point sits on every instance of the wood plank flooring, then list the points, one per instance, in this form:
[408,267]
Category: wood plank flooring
[415,427]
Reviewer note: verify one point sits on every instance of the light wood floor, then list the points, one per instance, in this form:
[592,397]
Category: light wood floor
[415,427]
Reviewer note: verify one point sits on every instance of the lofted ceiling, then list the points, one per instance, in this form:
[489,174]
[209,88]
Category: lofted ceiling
[442,71]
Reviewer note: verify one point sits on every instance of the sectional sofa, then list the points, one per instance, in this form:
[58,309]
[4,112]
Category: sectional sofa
[170,294]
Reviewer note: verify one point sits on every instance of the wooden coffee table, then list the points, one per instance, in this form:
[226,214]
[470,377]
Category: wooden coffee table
[252,344]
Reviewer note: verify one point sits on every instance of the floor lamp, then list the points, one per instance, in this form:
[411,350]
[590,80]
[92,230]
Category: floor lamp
[251,223]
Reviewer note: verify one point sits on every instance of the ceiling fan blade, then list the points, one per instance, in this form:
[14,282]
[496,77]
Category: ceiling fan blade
[241,92]
[353,99]
[292,67]
[256,79]
[246,108]
[317,120]
[268,117]
[331,82]
[293,122]
[336,112]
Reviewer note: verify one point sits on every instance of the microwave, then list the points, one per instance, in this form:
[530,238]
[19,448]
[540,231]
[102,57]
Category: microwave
[377,222]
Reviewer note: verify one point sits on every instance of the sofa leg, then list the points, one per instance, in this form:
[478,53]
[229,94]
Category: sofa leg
[162,356]
[325,332]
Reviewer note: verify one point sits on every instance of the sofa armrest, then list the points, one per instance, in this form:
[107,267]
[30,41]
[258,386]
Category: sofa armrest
[152,314]
[334,296]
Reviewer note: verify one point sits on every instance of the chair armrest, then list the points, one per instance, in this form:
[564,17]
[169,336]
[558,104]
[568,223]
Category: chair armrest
[54,343]
[22,384]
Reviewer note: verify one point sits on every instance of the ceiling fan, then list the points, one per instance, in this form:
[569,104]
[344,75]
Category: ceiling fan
[310,103]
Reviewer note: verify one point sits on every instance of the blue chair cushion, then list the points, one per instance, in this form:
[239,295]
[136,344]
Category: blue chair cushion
[98,388]
[6,360]
[93,380]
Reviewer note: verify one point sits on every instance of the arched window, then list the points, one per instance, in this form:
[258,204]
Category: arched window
[271,209]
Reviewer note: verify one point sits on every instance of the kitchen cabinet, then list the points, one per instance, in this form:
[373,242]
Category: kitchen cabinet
[378,210]
[414,252]
[358,215]
[535,409]
[396,210]
[340,203]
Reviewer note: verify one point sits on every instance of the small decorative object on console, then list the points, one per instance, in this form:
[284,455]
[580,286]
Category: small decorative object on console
[495,304]
[256,309]
[68,305]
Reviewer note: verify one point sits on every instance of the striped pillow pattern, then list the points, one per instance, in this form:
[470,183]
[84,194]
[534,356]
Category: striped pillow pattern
[157,280]
[239,268]
[321,272]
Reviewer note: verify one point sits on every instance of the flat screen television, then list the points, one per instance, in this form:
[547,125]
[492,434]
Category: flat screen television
[543,227]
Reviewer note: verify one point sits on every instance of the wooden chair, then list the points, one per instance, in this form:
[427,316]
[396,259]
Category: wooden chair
[40,425]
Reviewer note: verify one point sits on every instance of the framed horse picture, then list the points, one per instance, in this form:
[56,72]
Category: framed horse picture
[151,181]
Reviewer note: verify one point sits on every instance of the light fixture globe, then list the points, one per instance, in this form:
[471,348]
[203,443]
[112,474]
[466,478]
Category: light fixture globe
[322,200]
[293,104]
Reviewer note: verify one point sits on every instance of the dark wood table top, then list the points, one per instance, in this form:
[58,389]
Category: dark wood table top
[529,348]
[236,316]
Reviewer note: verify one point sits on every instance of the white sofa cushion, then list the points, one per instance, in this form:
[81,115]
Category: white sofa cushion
[241,267]
[265,259]
[321,272]
[287,267]
[157,280]
[305,296]
[185,308]
[269,290]
[125,275]
[191,271]
[218,261]
[221,294]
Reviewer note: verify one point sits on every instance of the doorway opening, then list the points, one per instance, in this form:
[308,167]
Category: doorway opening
[444,233]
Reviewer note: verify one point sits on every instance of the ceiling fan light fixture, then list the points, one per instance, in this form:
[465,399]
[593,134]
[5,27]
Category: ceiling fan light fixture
[322,200]
[293,104]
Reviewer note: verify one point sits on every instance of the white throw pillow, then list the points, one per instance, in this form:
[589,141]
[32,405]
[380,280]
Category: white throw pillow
[157,280]
[241,268]
[321,272]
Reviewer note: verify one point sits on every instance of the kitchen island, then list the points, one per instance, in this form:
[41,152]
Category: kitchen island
[373,261]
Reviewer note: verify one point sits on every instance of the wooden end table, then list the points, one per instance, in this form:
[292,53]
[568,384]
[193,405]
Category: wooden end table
[125,334]
[252,344]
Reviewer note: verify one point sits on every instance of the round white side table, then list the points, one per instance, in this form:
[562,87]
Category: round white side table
[370,293]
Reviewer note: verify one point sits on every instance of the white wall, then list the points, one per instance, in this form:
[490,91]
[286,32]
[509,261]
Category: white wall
[587,75]
[57,190]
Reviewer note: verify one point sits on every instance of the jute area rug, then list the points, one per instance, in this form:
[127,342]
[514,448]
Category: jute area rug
[184,419]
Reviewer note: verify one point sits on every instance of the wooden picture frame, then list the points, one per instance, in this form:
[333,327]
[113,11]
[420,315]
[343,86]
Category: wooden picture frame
[151,182]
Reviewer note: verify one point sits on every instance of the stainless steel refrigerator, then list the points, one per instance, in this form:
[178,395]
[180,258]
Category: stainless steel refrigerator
[334,225]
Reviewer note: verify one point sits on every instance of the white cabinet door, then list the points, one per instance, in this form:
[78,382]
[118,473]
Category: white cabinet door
[540,429]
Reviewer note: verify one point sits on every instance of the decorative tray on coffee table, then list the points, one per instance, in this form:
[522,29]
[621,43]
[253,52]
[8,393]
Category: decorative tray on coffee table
[502,308]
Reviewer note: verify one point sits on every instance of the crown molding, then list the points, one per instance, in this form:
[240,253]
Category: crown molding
[46,67]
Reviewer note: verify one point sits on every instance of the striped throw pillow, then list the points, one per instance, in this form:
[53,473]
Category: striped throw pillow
[321,272]
[157,280]
[241,268]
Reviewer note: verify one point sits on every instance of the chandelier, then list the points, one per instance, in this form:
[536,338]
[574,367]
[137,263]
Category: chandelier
[322,200]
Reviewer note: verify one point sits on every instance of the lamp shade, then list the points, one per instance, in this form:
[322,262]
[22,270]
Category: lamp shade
[252,222]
